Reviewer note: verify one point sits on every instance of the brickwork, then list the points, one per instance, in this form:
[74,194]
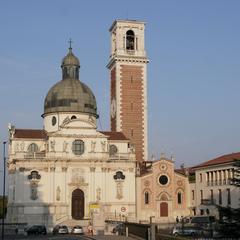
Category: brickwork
[132,106]
[163,193]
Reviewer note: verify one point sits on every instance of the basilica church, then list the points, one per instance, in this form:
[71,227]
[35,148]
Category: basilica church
[69,170]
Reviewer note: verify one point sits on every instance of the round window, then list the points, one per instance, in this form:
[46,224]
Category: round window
[54,120]
[78,147]
[163,179]
[113,150]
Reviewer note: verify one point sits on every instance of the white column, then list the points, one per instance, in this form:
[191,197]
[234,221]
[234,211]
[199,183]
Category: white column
[217,177]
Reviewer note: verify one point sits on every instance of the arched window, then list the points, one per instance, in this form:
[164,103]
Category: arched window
[130,40]
[78,147]
[146,197]
[32,148]
[179,198]
[73,117]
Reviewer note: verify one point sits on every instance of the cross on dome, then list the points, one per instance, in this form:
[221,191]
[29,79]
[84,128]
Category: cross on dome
[70,43]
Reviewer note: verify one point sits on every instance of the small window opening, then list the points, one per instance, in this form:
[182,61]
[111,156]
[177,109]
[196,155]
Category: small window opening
[130,40]
[146,197]
[179,197]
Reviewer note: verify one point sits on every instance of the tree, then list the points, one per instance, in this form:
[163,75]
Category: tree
[1,206]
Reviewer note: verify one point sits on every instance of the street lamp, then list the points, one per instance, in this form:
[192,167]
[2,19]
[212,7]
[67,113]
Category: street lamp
[4,176]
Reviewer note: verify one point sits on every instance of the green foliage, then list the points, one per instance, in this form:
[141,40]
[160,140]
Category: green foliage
[192,178]
[1,206]
[229,224]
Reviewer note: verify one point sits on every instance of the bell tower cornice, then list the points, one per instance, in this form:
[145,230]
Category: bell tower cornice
[124,59]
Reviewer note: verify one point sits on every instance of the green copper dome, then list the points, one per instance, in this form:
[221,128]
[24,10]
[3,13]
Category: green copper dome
[70,95]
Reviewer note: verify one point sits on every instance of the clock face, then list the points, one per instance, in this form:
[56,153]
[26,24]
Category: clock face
[113,108]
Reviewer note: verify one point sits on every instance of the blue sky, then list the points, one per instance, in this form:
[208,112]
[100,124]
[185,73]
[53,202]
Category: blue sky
[193,74]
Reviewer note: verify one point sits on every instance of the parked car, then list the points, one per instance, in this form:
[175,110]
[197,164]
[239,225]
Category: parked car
[120,229]
[185,231]
[77,230]
[203,220]
[60,229]
[36,230]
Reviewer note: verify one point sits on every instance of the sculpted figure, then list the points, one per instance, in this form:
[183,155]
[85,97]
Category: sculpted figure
[52,145]
[34,195]
[98,194]
[65,144]
[16,147]
[103,146]
[66,121]
[22,146]
[93,145]
[58,194]
[119,191]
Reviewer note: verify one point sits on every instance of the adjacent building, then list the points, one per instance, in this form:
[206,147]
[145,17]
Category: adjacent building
[163,192]
[213,186]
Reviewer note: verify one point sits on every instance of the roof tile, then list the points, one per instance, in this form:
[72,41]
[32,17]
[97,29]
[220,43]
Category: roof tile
[115,135]
[220,160]
[30,133]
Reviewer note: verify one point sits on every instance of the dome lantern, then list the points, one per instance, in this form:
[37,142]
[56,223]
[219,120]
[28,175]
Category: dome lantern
[70,65]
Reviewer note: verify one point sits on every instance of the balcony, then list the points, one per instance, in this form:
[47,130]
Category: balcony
[120,156]
[35,155]
[96,156]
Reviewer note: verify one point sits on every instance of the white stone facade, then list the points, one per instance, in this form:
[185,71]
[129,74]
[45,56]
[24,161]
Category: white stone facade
[213,186]
[61,172]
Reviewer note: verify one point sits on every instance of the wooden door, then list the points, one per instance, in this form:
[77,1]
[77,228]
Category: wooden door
[163,209]
[78,204]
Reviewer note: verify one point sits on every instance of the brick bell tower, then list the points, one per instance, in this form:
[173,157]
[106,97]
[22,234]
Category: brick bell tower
[128,71]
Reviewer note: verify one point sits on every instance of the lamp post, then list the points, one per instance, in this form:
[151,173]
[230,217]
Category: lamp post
[152,228]
[4,176]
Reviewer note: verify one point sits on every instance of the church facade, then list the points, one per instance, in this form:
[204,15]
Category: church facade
[69,170]
[163,192]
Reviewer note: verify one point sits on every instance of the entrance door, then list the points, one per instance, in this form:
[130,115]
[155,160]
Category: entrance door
[163,209]
[77,204]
